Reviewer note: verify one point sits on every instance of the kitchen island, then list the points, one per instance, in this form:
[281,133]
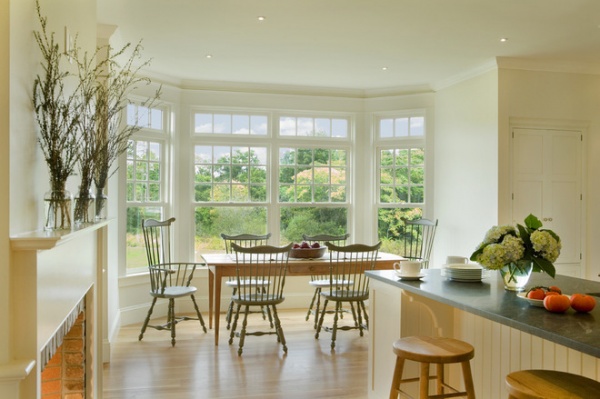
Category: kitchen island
[508,333]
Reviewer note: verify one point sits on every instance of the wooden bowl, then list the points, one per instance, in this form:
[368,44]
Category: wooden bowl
[313,253]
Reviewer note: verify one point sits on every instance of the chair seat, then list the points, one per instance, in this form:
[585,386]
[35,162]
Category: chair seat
[325,283]
[175,292]
[344,295]
[258,299]
[258,283]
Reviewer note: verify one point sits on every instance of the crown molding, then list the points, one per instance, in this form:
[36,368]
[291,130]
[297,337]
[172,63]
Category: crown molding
[485,67]
[564,66]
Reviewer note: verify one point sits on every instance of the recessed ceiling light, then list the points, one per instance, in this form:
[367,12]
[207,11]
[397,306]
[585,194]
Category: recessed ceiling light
[261,18]
[384,69]
[503,39]
[209,56]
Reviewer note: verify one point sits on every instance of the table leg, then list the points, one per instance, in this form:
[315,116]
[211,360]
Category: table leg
[217,304]
[211,289]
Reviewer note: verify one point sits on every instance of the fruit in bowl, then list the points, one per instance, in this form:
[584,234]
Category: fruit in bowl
[306,250]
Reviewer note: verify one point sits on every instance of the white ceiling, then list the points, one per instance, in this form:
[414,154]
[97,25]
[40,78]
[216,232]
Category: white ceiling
[344,44]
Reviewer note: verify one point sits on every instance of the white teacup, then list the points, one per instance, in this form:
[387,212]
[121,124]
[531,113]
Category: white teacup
[408,268]
[456,259]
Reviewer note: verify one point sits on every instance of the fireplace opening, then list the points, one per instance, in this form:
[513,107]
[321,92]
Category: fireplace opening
[63,359]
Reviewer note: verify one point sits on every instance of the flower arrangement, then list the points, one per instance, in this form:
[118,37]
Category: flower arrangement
[522,247]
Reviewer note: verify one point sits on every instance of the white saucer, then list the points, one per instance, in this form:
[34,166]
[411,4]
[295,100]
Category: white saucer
[408,278]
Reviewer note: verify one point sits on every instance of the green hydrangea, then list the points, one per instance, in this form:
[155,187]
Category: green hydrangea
[495,256]
[546,245]
[523,246]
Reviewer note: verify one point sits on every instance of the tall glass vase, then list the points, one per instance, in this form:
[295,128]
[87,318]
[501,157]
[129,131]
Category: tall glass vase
[84,207]
[101,204]
[516,275]
[57,210]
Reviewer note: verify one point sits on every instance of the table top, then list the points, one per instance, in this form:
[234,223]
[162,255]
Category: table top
[223,259]
[488,298]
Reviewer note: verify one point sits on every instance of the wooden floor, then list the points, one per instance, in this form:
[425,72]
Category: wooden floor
[195,368]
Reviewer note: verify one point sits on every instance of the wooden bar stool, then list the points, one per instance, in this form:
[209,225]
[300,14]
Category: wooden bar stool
[549,384]
[438,351]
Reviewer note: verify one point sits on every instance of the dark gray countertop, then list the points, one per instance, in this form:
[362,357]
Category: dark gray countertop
[489,299]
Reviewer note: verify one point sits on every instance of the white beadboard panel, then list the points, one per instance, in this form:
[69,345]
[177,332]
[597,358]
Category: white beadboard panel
[500,350]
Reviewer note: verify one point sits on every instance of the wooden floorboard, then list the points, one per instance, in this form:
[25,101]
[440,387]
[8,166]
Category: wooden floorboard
[195,368]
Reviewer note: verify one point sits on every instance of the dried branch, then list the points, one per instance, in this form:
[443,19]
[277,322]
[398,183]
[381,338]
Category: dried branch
[57,114]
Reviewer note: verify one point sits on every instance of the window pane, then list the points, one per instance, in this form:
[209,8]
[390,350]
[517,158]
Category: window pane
[322,127]
[417,126]
[156,119]
[400,170]
[258,125]
[295,221]
[305,127]
[222,123]
[401,127]
[287,126]
[211,221]
[241,124]
[386,128]
[135,247]
[233,168]
[339,128]
[203,123]
[390,227]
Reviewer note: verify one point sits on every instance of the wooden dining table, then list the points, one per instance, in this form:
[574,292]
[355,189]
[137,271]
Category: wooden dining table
[224,265]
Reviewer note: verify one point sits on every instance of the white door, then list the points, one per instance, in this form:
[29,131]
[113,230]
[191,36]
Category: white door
[546,181]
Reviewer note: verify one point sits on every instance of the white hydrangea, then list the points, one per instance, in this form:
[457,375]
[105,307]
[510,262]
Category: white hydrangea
[546,245]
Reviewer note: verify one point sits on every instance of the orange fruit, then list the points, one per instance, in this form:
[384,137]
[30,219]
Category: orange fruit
[536,293]
[557,303]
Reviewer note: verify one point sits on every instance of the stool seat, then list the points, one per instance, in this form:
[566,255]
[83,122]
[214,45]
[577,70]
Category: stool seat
[550,384]
[433,350]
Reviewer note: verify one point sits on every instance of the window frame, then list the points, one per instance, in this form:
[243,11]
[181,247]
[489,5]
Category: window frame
[164,138]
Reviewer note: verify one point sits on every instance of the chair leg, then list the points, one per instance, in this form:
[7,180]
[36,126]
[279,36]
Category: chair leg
[359,322]
[356,322]
[243,331]
[230,309]
[172,322]
[321,318]
[279,330]
[338,307]
[312,304]
[234,326]
[365,314]
[198,313]
[318,305]
[147,320]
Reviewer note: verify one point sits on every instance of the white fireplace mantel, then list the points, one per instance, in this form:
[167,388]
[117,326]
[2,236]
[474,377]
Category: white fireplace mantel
[51,273]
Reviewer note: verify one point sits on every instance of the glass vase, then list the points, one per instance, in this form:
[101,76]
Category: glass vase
[101,204]
[516,275]
[84,208]
[57,210]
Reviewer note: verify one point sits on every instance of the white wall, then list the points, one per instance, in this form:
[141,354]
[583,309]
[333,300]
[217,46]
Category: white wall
[4,179]
[466,165]
[563,98]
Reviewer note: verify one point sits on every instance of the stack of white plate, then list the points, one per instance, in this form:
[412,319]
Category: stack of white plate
[466,272]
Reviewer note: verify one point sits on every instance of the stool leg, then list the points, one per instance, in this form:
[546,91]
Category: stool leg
[424,381]
[396,378]
[469,388]
[440,378]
